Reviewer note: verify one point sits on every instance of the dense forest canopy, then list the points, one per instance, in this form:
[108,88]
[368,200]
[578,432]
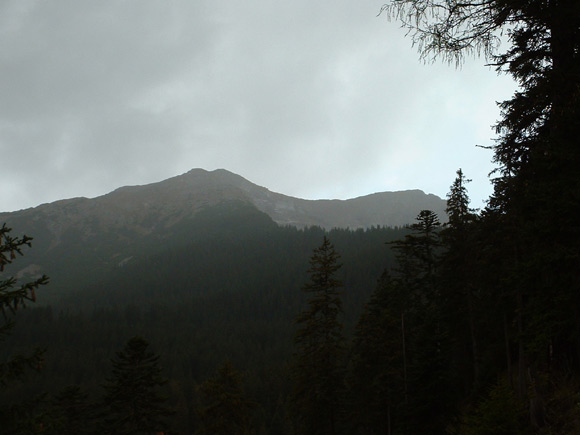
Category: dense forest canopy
[229,294]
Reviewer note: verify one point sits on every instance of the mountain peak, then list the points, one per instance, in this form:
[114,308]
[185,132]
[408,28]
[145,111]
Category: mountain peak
[169,201]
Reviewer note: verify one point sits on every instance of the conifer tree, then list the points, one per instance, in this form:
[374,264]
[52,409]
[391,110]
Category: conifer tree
[13,296]
[417,256]
[73,412]
[457,271]
[318,366]
[133,403]
[458,211]
[425,336]
[224,409]
[376,381]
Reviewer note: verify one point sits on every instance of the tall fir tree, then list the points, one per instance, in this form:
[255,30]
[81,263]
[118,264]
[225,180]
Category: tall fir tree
[133,403]
[425,335]
[318,364]
[72,411]
[377,374]
[459,290]
[417,256]
[224,408]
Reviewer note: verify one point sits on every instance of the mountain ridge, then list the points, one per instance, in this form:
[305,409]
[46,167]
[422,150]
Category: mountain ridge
[174,198]
[81,240]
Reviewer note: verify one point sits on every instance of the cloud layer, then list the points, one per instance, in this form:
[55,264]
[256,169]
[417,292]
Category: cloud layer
[310,99]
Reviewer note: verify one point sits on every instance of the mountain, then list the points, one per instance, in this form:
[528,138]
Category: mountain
[379,209]
[80,240]
[145,208]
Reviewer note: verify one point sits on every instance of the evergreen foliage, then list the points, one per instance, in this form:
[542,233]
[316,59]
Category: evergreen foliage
[377,374]
[72,411]
[12,297]
[416,256]
[501,412]
[224,409]
[527,240]
[233,298]
[132,401]
[425,334]
[459,289]
[18,415]
[318,367]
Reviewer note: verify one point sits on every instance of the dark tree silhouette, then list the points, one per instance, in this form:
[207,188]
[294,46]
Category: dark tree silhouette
[533,211]
[13,296]
[72,411]
[224,409]
[459,287]
[376,381]
[133,404]
[318,369]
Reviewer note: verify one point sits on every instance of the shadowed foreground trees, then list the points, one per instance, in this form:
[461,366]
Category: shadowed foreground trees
[318,366]
[377,378]
[133,403]
[239,312]
[531,235]
[13,296]
[72,412]
[415,298]
[224,409]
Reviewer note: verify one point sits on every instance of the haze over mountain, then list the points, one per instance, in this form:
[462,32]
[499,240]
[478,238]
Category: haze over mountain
[80,240]
[164,203]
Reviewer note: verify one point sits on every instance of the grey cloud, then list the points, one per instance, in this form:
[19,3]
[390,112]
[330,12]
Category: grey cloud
[306,98]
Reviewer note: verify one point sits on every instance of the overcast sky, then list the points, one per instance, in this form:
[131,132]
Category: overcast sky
[309,98]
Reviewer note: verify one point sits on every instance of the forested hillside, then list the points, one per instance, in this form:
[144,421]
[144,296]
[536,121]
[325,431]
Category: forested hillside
[228,293]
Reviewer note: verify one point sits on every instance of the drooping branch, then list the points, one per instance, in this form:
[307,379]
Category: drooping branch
[450,29]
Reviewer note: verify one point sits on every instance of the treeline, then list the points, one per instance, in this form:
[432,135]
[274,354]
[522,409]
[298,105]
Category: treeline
[232,297]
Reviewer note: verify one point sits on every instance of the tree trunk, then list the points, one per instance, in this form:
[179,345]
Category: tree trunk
[405,390]
[508,353]
[474,347]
